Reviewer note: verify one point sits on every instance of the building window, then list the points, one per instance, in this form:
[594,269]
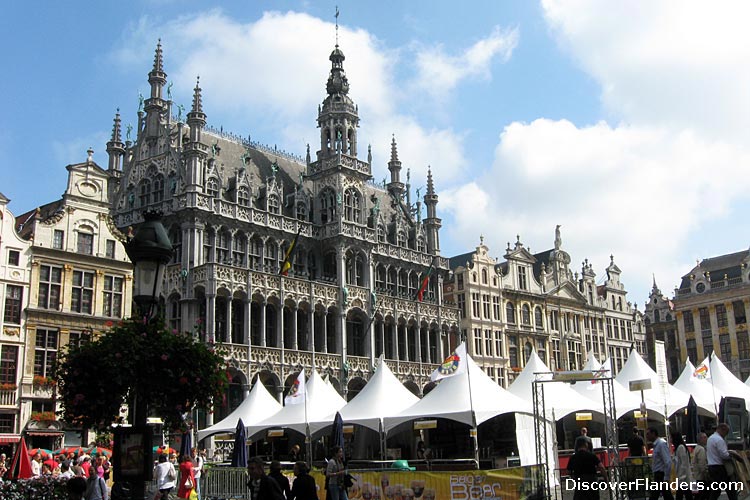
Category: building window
[58,239]
[13,301]
[239,250]
[85,243]
[174,313]
[222,247]
[522,278]
[496,308]
[8,364]
[510,312]
[401,238]
[14,257]
[475,304]
[273,204]
[255,253]
[513,351]
[462,304]
[705,319]
[45,352]
[488,342]
[212,187]
[725,347]
[112,296]
[81,298]
[687,319]
[460,281]
[208,246]
[7,423]
[739,312]
[301,211]
[721,316]
[352,205]
[327,206]
[498,344]
[484,276]
[50,279]
[144,192]
[486,306]
[77,339]
[526,314]
[157,189]
[270,257]
[109,249]
[175,236]
[243,196]
[538,318]
[692,350]
[477,341]
[743,346]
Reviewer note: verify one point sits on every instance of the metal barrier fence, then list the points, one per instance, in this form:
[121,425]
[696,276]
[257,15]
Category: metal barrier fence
[224,483]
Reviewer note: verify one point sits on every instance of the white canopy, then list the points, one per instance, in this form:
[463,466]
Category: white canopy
[726,382]
[747,382]
[625,401]
[257,406]
[705,396]
[450,399]
[557,395]
[637,369]
[322,400]
[383,396]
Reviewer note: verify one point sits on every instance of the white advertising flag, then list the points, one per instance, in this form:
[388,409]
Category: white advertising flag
[297,392]
[452,365]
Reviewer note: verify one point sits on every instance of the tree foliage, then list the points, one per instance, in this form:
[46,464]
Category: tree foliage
[170,371]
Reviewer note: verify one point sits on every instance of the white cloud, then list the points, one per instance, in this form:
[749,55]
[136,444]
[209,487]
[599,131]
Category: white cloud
[439,73]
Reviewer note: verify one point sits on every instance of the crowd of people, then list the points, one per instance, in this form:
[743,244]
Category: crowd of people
[702,475]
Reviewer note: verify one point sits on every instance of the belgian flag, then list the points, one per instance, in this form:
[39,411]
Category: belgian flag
[425,281]
[287,264]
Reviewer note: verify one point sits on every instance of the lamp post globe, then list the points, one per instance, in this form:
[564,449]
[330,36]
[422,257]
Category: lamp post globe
[150,250]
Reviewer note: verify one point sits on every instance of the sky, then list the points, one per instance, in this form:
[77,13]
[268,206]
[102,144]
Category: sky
[627,123]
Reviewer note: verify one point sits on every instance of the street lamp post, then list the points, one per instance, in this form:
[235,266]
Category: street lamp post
[150,250]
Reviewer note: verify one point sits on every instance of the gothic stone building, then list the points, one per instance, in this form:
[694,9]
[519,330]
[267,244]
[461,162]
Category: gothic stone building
[661,324]
[710,307]
[233,208]
[535,302]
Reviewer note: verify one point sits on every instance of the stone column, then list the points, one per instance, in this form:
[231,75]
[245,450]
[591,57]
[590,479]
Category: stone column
[247,320]
[211,316]
[262,323]
[229,321]
[295,332]
[325,331]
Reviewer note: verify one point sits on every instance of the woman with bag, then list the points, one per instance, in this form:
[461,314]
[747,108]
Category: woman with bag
[96,488]
[682,468]
[165,478]
[187,479]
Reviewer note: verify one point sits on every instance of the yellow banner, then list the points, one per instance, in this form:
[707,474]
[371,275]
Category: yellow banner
[517,483]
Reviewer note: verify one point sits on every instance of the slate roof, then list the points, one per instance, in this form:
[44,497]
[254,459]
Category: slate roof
[729,264]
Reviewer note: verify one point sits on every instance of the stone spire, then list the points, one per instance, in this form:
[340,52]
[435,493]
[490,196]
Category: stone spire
[432,222]
[394,166]
[338,116]
[115,147]
[155,105]
[195,150]
[197,98]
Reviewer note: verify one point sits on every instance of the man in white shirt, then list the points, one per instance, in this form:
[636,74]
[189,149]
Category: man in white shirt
[718,453]
[661,465]
[197,468]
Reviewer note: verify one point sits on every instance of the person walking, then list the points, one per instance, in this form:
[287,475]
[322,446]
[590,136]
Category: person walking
[700,468]
[717,455]
[260,485]
[187,479]
[197,470]
[165,476]
[303,487]
[335,472]
[278,476]
[636,446]
[583,466]
[96,488]
[682,466]
[661,465]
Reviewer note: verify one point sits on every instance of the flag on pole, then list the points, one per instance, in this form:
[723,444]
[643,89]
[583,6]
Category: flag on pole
[297,392]
[425,281]
[287,264]
[452,365]
[702,371]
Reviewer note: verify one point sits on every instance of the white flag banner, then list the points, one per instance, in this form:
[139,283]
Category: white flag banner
[703,370]
[297,392]
[452,365]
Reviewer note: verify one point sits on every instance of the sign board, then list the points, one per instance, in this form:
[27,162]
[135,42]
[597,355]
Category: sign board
[348,429]
[584,416]
[275,433]
[425,424]
[643,384]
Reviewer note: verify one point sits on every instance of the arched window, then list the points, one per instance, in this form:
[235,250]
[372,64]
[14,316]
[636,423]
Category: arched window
[157,189]
[352,205]
[175,236]
[256,252]
[329,266]
[510,312]
[172,184]
[355,269]
[239,249]
[403,283]
[212,187]
[144,192]
[222,247]
[327,200]
[243,196]
[270,257]
[208,245]
[526,314]
[538,317]
[413,284]
[484,276]
[273,204]
[401,238]
[85,240]
[420,244]
[301,210]
[381,233]
[380,277]
[657,316]
[392,280]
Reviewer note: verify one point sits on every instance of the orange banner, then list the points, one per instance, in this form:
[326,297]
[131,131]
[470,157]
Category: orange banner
[517,483]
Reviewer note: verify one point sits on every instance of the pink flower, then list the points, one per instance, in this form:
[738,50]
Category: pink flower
[164,357]
[108,324]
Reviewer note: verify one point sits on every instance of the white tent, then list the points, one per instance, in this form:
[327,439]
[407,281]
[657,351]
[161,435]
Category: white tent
[257,406]
[726,382]
[558,396]
[705,396]
[322,400]
[747,382]
[637,369]
[450,399]
[383,396]
[625,401]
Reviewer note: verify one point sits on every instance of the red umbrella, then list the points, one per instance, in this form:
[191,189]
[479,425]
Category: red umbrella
[21,464]
[45,453]
[99,451]
[77,450]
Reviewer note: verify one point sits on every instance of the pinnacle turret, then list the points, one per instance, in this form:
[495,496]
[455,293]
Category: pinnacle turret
[115,147]
[158,58]
[430,184]
[394,166]
[197,99]
[116,134]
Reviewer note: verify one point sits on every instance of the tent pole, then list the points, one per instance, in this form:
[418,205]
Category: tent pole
[473,432]
[382,439]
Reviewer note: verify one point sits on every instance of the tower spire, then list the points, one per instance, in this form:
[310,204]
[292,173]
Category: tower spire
[155,105]
[197,98]
[158,58]
[337,26]
[432,221]
[115,147]
[394,166]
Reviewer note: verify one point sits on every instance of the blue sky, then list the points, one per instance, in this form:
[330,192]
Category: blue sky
[625,122]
